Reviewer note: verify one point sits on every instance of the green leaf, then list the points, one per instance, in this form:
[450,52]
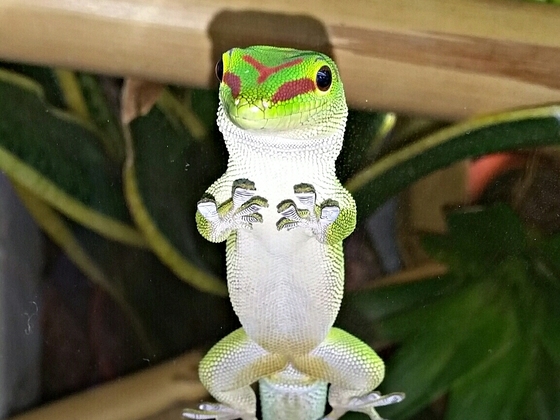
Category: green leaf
[484,231]
[544,404]
[365,133]
[61,234]
[204,103]
[445,341]
[167,172]
[175,316]
[478,237]
[443,314]
[57,157]
[511,130]
[550,332]
[385,302]
[181,112]
[73,97]
[104,117]
[486,341]
[550,250]
[495,390]
[44,77]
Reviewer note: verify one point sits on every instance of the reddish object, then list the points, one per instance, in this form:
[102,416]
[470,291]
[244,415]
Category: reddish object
[293,88]
[234,83]
[483,170]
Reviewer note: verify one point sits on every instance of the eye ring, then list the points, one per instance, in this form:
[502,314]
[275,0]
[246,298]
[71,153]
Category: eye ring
[219,70]
[323,78]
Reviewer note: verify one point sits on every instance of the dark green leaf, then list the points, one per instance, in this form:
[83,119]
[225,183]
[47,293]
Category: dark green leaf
[388,301]
[205,104]
[487,232]
[512,130]
[550,249]
[496,389]
[58,158]
[443,342]
[544,404]
[171,172]
[105,116]
[365,132]
[550,333]
[59,148]
[478,240]
[45,77]
[170,309]
[445,314]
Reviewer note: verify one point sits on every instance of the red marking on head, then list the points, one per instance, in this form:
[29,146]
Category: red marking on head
[293,88]
[234,83]
[264,71]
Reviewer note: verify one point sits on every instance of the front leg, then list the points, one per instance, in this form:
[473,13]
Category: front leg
[327,222]
[216,223]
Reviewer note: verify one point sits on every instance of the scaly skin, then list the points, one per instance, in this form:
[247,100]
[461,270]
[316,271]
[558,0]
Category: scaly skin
[284,215]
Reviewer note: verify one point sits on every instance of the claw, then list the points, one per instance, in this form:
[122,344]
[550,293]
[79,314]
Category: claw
[393,398]
[329,213]
[365,404]
[253,205]
[286,224]
[288,209]
[293,217]
[242,191]
[216,411]
[315,220]
[252,218]
[306,195]
[190,413]
[243,183]
[207,207]
[238,212]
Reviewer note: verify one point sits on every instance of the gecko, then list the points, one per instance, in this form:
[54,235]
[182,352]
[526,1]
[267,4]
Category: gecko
[284,214]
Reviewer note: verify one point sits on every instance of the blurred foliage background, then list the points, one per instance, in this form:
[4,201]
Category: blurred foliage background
[129,281]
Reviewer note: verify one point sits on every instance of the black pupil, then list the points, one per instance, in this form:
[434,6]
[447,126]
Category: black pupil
[324,78]
[220,70]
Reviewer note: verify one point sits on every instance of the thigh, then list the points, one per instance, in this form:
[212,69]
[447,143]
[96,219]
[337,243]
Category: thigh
[345,362]
[237,361]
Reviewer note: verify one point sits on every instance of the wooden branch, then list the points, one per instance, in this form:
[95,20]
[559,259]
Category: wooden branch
[447,59]
[429,269]
[134,397]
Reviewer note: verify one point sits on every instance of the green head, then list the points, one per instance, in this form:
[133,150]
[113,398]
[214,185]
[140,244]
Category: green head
[281,89]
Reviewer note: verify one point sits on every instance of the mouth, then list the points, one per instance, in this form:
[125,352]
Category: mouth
[261,115]
[249,115]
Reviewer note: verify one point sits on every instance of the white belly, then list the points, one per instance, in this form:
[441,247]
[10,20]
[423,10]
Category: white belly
[283,285]
[282,290]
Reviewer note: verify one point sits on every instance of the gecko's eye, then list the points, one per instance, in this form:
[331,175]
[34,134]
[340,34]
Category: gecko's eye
[219,70]
[323,79]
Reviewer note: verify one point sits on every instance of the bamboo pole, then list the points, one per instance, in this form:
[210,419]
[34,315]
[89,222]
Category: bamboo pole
[134,397]
[446,59]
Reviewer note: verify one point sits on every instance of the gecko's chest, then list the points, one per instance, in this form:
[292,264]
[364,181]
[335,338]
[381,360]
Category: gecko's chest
[275,179]
[277,191]
[268,252]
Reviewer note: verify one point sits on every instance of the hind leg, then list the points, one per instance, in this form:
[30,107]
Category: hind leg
[227,371]
[353,369]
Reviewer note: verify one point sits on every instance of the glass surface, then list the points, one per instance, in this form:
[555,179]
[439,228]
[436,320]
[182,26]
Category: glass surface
[452,274]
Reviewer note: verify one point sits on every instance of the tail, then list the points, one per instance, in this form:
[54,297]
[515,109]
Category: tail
[290,395]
